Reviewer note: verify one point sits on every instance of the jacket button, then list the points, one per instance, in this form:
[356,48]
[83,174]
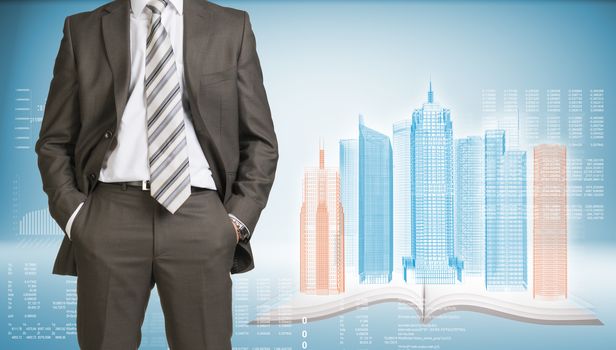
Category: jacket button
[108,134]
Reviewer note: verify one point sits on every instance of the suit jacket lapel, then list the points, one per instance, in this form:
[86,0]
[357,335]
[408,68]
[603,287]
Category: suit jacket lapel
[116,36]
[198,28]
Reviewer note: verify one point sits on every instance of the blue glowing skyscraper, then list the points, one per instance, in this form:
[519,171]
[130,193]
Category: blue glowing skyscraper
[432,194]
[375,206]
[349,193]
[469,204]
[505,215]
[402,193]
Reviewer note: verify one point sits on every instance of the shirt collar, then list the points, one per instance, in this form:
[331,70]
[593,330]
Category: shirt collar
[137,6]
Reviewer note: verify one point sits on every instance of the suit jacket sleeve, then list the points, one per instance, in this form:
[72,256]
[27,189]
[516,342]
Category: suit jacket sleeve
[257,139]
[58,134]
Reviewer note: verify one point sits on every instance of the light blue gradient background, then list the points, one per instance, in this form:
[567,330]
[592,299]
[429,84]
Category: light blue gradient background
[326,62]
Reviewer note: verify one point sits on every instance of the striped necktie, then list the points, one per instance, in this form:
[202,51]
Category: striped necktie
[167,151]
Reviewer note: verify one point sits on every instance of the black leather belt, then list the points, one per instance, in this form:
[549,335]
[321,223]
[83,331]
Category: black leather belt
[145,185]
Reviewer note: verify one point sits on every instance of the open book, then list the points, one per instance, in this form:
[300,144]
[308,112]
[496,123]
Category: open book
[429,301]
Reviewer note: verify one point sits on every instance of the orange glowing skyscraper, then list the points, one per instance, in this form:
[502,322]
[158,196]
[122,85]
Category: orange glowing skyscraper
[550,221]
[321,231]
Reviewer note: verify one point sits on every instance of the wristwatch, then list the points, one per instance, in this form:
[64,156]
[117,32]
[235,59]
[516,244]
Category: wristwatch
[243,230]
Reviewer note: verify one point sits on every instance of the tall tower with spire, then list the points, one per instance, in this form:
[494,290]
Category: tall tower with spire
[432,240]
[321,231]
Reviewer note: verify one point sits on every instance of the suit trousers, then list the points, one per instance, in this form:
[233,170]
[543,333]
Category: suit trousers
[126,243]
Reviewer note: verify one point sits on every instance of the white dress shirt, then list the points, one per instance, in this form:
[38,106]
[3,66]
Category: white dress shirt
[129,160]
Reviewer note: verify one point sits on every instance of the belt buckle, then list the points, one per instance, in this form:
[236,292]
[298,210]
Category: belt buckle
[145,185]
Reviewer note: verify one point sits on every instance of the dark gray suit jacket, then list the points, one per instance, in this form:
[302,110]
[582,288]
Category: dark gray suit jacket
[227,99]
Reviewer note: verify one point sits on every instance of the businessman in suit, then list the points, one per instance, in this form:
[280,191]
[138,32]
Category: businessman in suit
[157,152]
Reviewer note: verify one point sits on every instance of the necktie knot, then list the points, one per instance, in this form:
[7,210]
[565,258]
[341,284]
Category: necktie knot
[157,6]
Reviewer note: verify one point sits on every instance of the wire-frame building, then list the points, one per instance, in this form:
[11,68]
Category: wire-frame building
[505,215]
[321,231]
[375,206]
[550,221]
